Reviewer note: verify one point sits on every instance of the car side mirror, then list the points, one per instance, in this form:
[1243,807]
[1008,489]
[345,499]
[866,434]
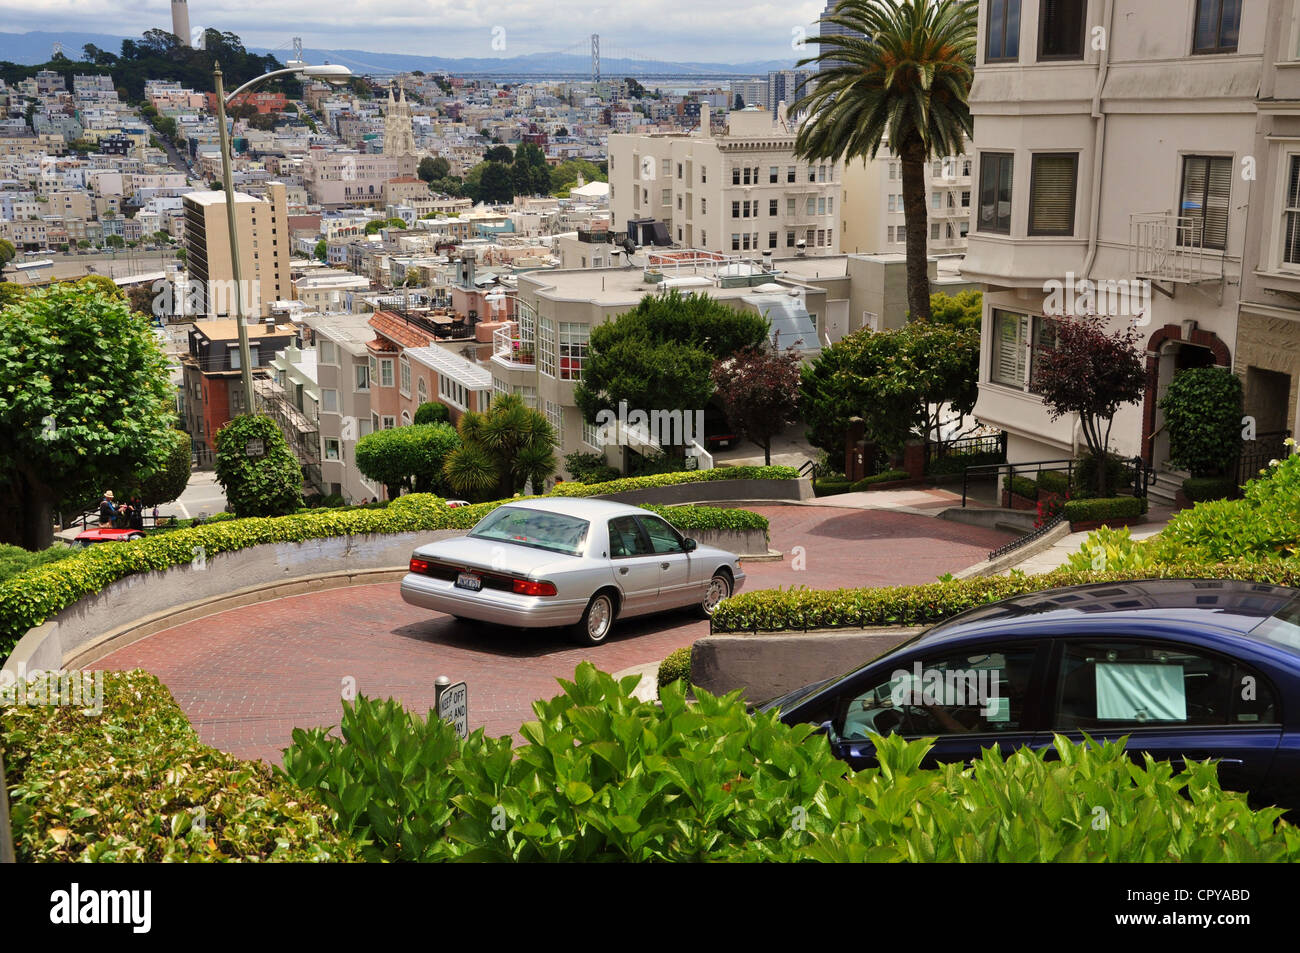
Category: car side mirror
[689,545]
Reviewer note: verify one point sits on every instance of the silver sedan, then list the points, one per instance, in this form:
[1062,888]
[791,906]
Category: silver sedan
[565,562]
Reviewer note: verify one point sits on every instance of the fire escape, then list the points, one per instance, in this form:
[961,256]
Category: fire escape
[301,433]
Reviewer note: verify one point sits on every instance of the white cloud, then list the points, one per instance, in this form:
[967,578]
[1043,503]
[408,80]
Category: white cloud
[678,30]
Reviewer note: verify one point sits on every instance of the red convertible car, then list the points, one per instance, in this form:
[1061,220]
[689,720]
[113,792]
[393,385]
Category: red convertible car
[107,534]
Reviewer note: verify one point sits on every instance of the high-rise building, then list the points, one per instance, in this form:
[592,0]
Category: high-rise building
[786,86]
[826,28]
[264,243]
[181,21]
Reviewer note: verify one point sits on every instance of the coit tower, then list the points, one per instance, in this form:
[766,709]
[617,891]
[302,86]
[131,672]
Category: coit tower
[181,21]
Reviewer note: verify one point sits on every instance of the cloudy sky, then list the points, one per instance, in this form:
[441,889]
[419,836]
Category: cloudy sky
[678,30]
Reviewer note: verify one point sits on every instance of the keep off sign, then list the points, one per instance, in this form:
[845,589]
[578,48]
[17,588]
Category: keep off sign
[453,707]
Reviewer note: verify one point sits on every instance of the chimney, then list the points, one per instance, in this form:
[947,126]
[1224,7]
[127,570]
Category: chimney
[706,121]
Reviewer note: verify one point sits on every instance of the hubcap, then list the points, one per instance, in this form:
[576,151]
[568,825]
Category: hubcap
[598,619]
[718,590]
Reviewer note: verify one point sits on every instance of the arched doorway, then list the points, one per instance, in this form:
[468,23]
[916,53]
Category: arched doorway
[1169,352]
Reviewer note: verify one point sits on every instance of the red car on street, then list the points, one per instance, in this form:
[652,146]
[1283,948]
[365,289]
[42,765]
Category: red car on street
[107,534]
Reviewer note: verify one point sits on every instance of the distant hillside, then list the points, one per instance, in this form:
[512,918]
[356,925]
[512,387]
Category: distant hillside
[33,49]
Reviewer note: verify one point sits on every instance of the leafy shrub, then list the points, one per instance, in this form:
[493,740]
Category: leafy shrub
[1203,416]
[1053,481]
[1203,489]
[1112,550]
[676,666]
[889,476]
[831,487]
[1115,508]
[28,599]
[1050,506]
[674,479]
[15,559]
[602,776]
[267,485]
[407,458]
[1021,486]
[128,785]
[590,468]
[168,482]
[1083,482]
[431,412]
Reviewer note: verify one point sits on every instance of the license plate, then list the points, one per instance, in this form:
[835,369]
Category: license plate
[467,580]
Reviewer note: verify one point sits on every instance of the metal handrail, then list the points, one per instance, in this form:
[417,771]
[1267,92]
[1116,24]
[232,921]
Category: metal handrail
[1011,469]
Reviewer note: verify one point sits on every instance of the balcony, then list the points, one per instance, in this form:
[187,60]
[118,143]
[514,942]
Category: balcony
[510,350]
[1170,248]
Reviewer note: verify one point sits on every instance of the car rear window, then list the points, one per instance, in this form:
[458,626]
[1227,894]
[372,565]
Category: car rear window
[537,528]
[1282,627]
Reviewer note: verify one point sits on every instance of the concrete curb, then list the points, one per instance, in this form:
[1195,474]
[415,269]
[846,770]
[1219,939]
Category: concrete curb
[992,567]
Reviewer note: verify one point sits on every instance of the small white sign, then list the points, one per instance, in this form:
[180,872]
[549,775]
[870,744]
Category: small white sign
[254,448]
[453,707]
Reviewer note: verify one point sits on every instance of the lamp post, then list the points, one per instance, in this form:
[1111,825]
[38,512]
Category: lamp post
[329,73]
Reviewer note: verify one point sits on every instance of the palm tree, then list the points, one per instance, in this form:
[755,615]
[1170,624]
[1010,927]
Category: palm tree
[501,450]
[903,73]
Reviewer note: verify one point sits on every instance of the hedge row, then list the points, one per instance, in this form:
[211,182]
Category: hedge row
[135,784]
[931,603]
[889,476]
[1053,481]
[1202,489]
[1021,486]
[1109,508]
[28,599]
[674,479]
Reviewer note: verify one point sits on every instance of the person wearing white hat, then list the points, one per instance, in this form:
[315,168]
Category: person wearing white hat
[107,509]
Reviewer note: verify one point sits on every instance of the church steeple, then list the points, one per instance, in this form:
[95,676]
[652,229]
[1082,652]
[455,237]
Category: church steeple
[399,139]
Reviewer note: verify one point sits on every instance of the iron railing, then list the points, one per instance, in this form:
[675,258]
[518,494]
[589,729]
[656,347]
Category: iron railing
[1134,475]
[1028,538]
[988,443]
[1255,454]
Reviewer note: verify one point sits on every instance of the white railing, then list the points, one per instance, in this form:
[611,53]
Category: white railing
[507,347]
[1172,247]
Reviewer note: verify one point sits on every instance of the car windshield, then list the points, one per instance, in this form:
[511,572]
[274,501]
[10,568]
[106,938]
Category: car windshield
[1282,627]
[537,528]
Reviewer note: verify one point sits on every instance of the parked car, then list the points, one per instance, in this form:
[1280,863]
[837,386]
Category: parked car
[718,430]
[1186,669]
[576,563]
[452,504]
[106,534]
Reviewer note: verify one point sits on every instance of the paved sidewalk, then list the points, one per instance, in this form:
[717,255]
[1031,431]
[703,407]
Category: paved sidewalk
[1055,557]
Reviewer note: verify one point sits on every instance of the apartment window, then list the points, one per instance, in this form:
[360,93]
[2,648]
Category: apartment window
[405,368]
[667,166]
[1291,220]
[821,206]
[744,239]
[965,198]
[995,192]
[830,206]
[327,352]
[333,450]
[704,206]
[1003,30]
[591,435]
[772,205]
[936,201]
[329,401]
[1207,185]
[735,210]
[789,239]
[704,174]
[704,239]
[1217,23]
[789,206]
[679,170]
[1053,178]
[746,213]
[773,174]
[812,205]
[934,231]
[573,339]
[1010,349]
[892,204]
[679,234]
[1061,28]
[386,372]
[666,197]
[363,376]
[422,389]
[889,234]
[546,346]
[893,171]
[555,417]
[812,173]
[735,241]
[790,172]
[233,350]
[390,423]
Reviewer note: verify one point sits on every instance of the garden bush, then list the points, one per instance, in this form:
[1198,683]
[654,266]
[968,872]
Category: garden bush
[830,487]
[958,462]
[889,476]
[431,412]
[1053,481]
[1202,410]
[1113,550]
[1114,508]
[266,485]
[590,468]
[676,666]
[15,559]
[1083,482]
[673,479]
[134,783]
[1203,489]
[1021,486]
[602,776]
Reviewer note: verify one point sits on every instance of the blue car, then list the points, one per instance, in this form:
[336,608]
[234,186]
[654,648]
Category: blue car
[1185,668]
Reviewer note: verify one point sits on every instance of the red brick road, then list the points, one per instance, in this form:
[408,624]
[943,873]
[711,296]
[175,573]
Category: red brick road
[246,678]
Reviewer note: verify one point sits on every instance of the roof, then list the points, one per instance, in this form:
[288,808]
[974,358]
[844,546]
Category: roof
[462,371]
[228,330]
[1207,606]
[396,329]
[581,507]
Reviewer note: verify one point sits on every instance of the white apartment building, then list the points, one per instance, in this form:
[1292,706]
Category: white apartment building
[871,210]
[742,191]
[1115,142]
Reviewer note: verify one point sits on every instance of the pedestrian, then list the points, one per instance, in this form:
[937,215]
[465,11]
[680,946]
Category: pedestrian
[136,516]
[107,509]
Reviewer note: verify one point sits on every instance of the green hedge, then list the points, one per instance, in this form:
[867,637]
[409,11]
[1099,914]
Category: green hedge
[1204,489]
[1053,481]
[28,599]
[1112,508]
[931,603]
[889,476]
[1021,486]
[831,487]
[676,666]
[675,479]
[601,776]
[15,560]
[128,785]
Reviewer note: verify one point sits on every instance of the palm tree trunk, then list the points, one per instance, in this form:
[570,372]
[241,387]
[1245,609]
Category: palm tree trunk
[915,214]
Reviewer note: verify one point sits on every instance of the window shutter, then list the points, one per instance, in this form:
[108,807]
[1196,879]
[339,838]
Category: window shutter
[1216,203]
[1051,207]
[1291,252]
[1010,334]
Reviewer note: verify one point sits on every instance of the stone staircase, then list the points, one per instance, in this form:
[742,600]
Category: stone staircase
[1164,487]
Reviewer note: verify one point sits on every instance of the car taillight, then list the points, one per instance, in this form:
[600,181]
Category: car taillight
[527,587]
[419,565]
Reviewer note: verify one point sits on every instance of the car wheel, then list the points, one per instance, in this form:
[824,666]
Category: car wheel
[597,622]
[135,536]
[719,589]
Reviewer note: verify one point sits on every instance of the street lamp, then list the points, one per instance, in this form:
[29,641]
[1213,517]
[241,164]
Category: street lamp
[330,73]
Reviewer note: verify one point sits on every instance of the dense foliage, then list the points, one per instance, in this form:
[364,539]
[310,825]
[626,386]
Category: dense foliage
[168,481]
[1202,410]
[673,479]
[265,484]
[590,468]
[431,412]
[407,458]
[501,450]
[758,389]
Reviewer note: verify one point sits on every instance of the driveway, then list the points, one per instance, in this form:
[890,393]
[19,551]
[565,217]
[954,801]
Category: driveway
[246,678]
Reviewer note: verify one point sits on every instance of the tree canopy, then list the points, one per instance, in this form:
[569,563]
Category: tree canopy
[758,389]
[501,450]
[407,458]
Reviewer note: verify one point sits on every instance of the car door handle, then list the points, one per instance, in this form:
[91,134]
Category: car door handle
[622,571]
[665,565]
